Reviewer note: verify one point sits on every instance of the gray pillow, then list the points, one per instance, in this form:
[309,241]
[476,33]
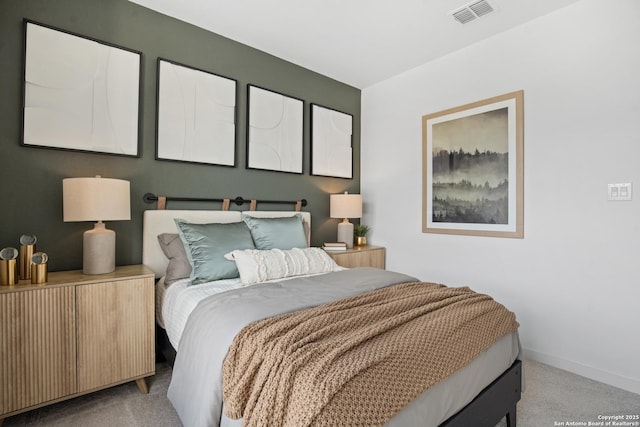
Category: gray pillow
[206,245]
[277,233]
[173,248]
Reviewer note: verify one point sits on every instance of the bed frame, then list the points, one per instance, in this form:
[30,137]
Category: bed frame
[164,350]
[497,401]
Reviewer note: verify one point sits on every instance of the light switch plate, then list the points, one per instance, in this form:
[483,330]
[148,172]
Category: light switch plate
[621,191]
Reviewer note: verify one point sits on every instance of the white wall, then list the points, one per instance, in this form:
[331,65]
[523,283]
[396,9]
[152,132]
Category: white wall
[574,280]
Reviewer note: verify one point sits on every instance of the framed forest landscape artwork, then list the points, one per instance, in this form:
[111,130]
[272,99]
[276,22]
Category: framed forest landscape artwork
[472,166]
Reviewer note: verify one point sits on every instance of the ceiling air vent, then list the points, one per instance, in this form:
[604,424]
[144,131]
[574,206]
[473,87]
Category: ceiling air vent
[472,11]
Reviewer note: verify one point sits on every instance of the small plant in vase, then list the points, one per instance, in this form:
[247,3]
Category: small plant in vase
[360,232]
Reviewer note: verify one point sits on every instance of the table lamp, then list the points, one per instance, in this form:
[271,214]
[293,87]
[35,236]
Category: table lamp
[97,199]
[345,206]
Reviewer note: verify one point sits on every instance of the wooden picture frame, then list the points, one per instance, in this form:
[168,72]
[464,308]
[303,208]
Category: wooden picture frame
[79,93]
[196,115]
[331,142]
[473,160]
[275,127]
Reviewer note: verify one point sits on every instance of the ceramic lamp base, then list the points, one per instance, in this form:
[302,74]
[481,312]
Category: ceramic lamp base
[99,250]
[345,233]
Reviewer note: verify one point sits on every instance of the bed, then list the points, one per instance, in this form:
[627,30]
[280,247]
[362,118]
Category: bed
[201,324]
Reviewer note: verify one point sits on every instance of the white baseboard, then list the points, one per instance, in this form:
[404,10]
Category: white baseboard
[609,378]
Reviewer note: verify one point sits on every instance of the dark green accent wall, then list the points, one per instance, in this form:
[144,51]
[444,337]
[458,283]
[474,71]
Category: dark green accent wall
[31,178]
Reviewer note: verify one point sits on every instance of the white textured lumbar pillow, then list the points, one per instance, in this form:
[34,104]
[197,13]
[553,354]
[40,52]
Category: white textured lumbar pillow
[257,266]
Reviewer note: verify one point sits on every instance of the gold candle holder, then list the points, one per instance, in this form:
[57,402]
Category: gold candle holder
[8,272]
[27,248]
[38,274]
[39,268]
[26,252]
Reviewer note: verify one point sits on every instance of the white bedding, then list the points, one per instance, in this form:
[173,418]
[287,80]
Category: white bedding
[175,303]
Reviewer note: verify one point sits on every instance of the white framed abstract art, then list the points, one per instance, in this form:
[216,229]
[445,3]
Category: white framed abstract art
[331,142]
[79,93]
[275,131]
[196,115]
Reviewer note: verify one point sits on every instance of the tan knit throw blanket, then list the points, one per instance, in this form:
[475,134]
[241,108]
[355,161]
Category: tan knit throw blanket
[359,360]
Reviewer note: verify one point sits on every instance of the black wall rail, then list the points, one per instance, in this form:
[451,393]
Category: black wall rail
[150,198]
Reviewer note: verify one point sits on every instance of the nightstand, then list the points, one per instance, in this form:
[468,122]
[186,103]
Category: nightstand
[360,256]
[73,335]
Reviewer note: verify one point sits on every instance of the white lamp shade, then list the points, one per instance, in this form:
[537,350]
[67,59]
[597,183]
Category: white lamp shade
[345,205]
[96,199]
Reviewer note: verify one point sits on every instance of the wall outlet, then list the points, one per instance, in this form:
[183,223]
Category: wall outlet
[619,191]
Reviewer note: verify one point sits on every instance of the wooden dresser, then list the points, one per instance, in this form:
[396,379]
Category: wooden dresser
[73,335]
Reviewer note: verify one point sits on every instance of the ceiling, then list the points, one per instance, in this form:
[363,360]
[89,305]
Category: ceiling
[358,42]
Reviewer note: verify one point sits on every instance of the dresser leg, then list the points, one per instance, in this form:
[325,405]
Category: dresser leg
[142,385]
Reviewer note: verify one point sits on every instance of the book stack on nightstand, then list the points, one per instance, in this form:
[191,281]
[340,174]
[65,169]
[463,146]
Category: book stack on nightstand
[358,256]
[337,246]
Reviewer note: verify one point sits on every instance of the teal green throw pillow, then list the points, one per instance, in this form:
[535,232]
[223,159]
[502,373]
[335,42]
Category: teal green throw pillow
[206,245]
[277,233]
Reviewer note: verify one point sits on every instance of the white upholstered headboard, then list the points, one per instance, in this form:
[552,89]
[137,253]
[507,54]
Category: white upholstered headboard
[156,222]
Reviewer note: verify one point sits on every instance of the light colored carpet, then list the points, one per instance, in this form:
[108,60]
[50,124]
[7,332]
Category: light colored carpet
[552,397]
[120,406]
